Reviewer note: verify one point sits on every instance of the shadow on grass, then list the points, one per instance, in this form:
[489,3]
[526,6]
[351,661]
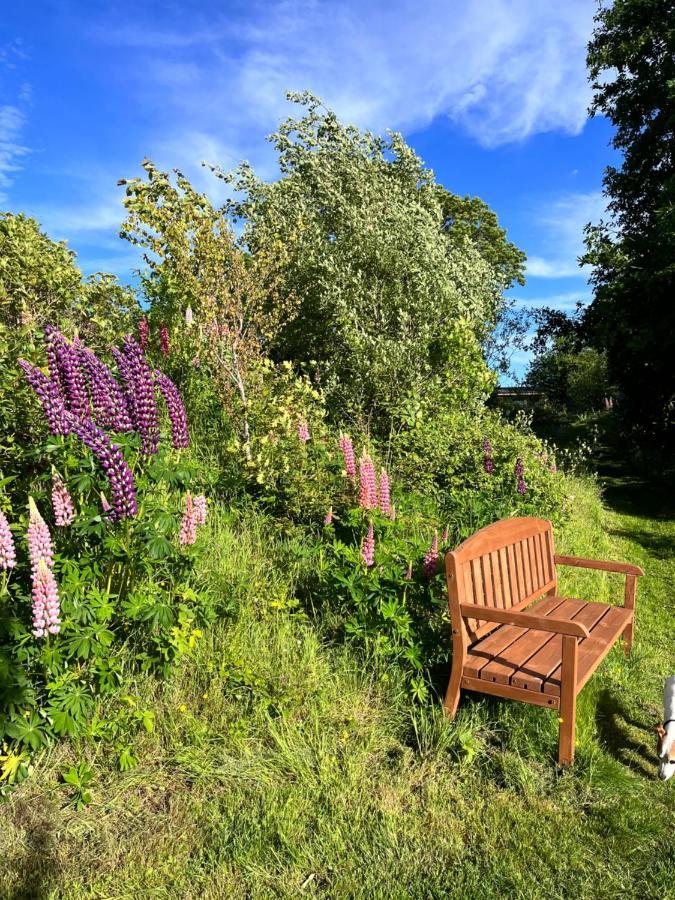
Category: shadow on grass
[38,865]
[628,739]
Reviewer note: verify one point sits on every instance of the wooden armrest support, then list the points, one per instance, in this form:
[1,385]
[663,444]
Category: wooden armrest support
[604,565]
[524,620]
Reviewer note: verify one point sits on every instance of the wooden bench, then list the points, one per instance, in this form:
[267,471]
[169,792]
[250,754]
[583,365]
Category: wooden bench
[544,655]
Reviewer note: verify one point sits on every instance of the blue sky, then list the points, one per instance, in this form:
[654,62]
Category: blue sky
[491,93]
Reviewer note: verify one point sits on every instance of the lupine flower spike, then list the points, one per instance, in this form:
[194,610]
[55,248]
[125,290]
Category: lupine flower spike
[199,508]
[140,392]
[50,397]
[368,486]
[328,520]
[488,464]
[111,459]
[143,333]
[68,375]
[368,547]
[164,340]
[432,557]
[62,502]
[519,471]
[7,549]
[40,547]
[179,428]
[384,500]
[303,431]
[188,525]
[46,611]
[347,448]
[444,538]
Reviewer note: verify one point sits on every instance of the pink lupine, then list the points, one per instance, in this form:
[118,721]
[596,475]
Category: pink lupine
[345,444]
[303,431]
[199,508]
[328,520]
[164,339]
[409,572]
[7,549]
[62,502]
[188,525]
[143,333]
[368,485]
[384,500]
[432,558]
[46,611]
[368,547]
[40,546]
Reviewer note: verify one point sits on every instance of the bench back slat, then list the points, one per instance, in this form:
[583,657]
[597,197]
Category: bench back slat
[506,565]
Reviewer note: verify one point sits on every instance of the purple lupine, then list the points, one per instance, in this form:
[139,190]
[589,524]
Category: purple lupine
[188,526]
[328,519]
[70,378]
[409,572]
[345,444]
[107,397]
[139,388]
[384,499]
[46,611]
[200,508]
[368,547]
[143,333]
[519,468]
[120,480]
[432,557]
[488,464]
[179,427]
[303,431]
[7,549]
[62,502]
[50,397]
[164,340]
[40,547]
[521,487]
[368,485]
[51,334]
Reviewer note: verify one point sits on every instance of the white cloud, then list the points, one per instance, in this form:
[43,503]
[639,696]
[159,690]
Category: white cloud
[12,121]
[565,302]
[560,224]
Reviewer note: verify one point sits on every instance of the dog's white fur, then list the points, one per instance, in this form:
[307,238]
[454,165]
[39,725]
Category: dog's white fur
[666,746]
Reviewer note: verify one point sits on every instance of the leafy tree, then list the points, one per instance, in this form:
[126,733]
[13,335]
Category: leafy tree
[631,60]
[388,291]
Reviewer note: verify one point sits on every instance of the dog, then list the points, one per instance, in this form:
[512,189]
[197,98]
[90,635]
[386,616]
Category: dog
[666,732]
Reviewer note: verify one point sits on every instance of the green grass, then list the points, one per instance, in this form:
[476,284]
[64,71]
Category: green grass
[281,767]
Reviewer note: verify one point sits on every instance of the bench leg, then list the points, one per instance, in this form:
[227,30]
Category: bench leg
[568,701]
[451,701]
[628,639]
[629,603]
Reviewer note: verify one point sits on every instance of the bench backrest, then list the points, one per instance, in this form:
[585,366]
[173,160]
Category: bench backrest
[506,565]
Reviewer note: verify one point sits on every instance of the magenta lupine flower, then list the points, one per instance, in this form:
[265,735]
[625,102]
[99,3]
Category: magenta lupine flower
[62,502]
[188,526]
[179,427]
[111,459]
[384,500]
[519,469]
[68,375]
[488,464]
[50,397]
[7,549]
[445,536]
[409,572]
[303,431]
[368,485]
[143,333]
[164,339]
[347,448]
[108,399]
[521,488]
[46,611]
[199,507]
[368,547]
[40,547]
[328,520]
[432,558]
[139,388]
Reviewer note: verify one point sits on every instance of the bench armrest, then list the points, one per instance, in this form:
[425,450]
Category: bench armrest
[524,620]
[604,565]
